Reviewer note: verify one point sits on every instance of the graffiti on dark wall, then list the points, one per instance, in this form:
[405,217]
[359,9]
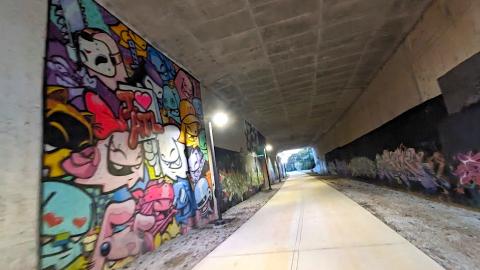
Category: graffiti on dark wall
[444,163]
[124,164]
[240,174]
[256,142]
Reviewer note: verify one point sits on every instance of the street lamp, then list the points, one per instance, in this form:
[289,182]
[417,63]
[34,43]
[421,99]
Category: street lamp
[268,148]
[220,119]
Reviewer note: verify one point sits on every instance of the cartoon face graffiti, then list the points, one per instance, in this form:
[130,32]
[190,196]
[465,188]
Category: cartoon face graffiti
[120,166]
[172,153]
[114,182]
[66,131]
[66,217]
[190,124]
[203,195]
[121,235]
[162,64]
[184,85]
[100,54]
[197,104]
[195,164]
[157,201]
[184,201]
[202,143]
[171,102]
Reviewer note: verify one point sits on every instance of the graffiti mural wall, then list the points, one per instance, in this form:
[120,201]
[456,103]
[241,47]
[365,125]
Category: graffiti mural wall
[432,148]
[125,159]
[241,176]
[256,144]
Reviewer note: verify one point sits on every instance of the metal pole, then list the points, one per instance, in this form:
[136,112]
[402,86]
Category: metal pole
[216,177]
[266,166]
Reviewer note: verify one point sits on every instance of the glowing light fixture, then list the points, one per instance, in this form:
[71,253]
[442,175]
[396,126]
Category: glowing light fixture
[220,119]
[269,147]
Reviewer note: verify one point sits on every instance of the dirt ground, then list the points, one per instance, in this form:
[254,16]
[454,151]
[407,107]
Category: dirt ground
[185,251]
[449,234]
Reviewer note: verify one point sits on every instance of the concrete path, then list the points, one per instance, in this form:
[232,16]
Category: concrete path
[310,225]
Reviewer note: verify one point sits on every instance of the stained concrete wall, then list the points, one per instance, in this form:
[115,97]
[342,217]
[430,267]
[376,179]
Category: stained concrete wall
[447,34]
[22,25]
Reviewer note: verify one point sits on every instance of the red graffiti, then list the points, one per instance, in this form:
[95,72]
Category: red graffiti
[469,168]
[79,222]
[157,201]
[104,122]
[143,99]
[142,124]
[51,219]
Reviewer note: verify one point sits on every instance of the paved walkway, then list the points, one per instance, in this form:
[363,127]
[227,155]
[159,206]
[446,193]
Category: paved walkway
[310,225]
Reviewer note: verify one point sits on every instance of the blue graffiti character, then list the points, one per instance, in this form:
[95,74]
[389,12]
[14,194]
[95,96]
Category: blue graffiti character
[184,201]
[171,103]
[203,196]
[162,64]
[197,104]
[66,216]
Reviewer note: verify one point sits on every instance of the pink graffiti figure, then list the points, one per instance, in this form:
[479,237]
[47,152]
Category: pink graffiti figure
[156,202]
[184,85]
[469,168]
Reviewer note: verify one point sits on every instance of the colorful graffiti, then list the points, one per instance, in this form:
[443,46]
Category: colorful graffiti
[124,166]
[255,140]
[468,170]
[362,167]
[416,170]
[241,175]
[432,148]
[404,166]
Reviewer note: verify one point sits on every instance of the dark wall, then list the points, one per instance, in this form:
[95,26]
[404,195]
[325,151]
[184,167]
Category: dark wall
[428,149]
[460,132]
[461,85]
[241,175]
[417,128]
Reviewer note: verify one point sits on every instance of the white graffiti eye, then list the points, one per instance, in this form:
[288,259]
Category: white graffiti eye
[50,148]
[116,166]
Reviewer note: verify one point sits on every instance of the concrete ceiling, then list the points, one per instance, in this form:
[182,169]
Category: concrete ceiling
[292,67]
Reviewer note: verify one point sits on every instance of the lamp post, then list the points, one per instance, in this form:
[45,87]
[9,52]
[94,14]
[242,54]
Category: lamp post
[267,148]
[219,119]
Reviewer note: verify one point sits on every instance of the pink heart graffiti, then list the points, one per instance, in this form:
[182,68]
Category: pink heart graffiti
[143,99]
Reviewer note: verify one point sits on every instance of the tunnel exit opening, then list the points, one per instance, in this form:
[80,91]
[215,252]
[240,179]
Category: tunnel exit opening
[298,160]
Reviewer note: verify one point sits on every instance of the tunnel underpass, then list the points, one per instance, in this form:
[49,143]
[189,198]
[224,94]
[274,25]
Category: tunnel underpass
[244,134]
